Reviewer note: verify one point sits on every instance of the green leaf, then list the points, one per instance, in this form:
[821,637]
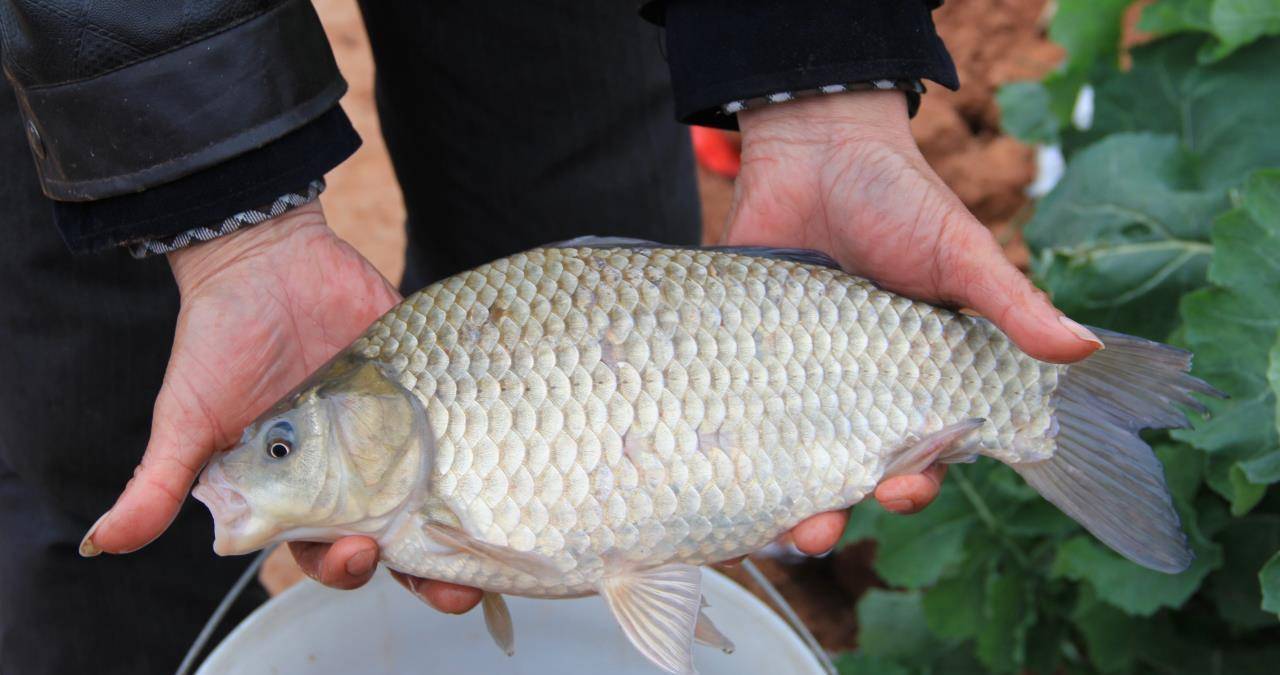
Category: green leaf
[1237,23]
[1130,587]
[1223,114]
[915,550]
[1088,29]
[1185,646]
[953,607]
[891,626]
[1025,112]
[1183,470]
[1273,375]
[1177,16]
[1269,579]
[1038,518]
[1046,638]
[1183,653]
[1225,476]
[1232,328]
[1007,615]
[1125,234]
[1212,514]
[1114,639]
[857,663]
[1090,32]
[864,519]
[1247,543]
[1263,469]
[959,661]
[1231,23]
[1245,494]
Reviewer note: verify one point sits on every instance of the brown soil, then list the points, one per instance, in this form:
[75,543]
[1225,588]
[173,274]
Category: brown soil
[992,42]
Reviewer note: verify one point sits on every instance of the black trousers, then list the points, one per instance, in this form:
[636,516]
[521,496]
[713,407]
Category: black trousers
[510,124]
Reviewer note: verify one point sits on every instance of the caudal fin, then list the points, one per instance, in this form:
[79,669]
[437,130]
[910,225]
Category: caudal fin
[1101,473]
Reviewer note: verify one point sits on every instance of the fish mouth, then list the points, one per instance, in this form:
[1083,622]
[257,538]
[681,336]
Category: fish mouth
[235,530]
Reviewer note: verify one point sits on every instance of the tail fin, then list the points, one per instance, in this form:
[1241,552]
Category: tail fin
[1101,473]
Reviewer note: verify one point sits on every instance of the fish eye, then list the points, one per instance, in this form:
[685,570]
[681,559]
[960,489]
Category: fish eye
[280,440]
[279,449]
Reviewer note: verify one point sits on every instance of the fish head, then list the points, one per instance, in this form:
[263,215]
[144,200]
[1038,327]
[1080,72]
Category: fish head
[340,455]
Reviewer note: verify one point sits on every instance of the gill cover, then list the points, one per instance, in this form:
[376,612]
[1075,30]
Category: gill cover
[360,449]
[383,430]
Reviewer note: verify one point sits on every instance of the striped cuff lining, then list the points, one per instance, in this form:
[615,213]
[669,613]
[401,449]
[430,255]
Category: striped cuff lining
[734,107]
[280,205]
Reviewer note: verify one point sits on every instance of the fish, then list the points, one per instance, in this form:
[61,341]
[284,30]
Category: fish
[605,416]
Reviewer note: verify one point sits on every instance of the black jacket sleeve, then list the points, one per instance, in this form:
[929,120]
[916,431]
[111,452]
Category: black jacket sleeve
[721,51]
[122,100]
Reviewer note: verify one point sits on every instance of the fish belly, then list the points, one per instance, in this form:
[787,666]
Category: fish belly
[600,407]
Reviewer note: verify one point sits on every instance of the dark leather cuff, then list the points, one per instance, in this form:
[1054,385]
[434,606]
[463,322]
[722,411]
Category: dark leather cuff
[208,197]
[184,110]
[731,51]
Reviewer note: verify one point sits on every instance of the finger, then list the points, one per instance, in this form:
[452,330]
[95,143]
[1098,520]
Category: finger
[818,534]
[975,273]
[441,595]
[345,564]
[911,493]
[180,443]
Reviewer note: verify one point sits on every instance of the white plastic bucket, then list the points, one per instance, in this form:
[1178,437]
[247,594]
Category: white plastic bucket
[382,629]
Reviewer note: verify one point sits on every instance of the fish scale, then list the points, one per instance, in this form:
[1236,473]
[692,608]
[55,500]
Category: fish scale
[604,416]
[659,405]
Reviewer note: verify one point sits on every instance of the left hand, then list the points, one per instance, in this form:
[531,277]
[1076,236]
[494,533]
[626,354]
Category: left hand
[842,174]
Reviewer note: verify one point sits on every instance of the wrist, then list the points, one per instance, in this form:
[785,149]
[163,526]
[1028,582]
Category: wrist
[878,114]
[194,265]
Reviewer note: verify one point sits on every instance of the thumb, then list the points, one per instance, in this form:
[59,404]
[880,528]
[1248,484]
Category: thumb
[181,441]
[979,276]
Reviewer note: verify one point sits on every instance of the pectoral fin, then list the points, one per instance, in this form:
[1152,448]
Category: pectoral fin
[658,610]
[497,618]
[521,561]
[947,445]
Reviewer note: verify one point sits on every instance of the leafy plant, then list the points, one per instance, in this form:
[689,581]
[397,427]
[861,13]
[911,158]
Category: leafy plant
[1166,224]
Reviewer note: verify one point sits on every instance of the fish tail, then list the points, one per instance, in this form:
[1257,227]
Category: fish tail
[1101,473]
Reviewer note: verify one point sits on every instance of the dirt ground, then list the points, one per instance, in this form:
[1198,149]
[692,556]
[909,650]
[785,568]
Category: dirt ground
[992,42]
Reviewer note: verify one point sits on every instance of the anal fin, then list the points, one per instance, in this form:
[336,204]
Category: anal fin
[947,445]
[658,610]
[497,618]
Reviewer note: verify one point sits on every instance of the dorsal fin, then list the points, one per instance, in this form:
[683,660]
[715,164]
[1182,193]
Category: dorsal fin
[803,256]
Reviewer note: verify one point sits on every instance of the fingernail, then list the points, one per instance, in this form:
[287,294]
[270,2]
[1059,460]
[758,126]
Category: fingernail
[1080,331]
[360,564]
[88,549]
[900,505]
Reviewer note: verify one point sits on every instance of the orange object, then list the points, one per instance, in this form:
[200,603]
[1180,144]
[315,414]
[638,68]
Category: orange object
[717,151]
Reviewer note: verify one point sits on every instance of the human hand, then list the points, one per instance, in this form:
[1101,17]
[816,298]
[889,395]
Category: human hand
[842,174]
[261,309]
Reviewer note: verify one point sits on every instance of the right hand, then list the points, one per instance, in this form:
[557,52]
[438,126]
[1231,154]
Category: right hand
[261,309]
